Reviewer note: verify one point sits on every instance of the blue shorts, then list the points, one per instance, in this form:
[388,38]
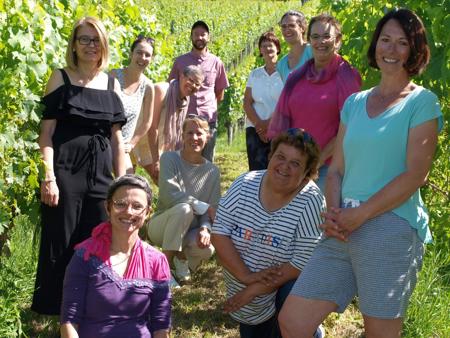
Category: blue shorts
[379,264]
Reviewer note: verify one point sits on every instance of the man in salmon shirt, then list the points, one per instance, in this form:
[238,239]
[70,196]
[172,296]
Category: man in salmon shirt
[204,103]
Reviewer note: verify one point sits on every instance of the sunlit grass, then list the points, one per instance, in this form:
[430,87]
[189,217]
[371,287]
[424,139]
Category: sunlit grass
[232,159]
[429,310]
[17,274]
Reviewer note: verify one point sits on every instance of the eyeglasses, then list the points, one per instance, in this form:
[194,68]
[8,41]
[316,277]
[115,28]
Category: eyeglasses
[193,82]
[289,26]
[122,205]
[86,40]
[295,132]
[324,37]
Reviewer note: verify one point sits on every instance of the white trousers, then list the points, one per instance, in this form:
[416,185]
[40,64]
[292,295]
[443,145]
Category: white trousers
[171,231]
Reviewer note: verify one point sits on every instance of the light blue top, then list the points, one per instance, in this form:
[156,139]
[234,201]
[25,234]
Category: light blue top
[283,65]
[375,149]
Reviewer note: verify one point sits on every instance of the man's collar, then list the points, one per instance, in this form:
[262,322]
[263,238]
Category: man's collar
[200,55]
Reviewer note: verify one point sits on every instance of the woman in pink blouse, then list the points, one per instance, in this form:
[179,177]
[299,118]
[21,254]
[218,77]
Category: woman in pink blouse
[314,94]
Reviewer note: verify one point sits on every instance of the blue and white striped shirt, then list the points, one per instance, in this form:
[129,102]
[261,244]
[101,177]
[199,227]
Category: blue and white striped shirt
[265,238]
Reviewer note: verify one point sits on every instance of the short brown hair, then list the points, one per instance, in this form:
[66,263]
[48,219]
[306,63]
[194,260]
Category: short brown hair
[131,180]
[326,18]
[271,37]
[71,57]
[419,54]
[302,141]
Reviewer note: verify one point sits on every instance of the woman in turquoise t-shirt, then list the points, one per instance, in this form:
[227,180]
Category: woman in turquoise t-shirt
[293,27]
[376,221]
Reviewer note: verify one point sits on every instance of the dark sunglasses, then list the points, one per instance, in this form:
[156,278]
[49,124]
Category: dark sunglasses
[191,116]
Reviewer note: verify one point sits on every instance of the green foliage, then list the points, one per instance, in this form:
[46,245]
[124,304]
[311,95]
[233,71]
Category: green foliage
[33,37]
[437,193]
[243,23]
[231,111]
[23,66]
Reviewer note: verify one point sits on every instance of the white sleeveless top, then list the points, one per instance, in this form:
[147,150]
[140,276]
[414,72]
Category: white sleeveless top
[132,104]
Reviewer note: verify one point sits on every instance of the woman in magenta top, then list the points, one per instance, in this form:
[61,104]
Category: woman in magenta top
[117,285]
[314,94]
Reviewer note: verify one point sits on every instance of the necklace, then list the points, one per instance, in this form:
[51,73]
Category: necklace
[120,262]
[393,95]
[84,79]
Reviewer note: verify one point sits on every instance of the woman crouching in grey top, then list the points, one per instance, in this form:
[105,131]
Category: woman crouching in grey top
[189,192]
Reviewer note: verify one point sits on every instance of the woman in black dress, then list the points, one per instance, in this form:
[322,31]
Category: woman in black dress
[81,144]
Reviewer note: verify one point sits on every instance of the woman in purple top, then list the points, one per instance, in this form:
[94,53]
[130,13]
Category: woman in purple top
[314,94]
[116,285]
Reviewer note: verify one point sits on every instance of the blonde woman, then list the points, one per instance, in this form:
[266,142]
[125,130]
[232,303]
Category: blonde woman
[81,145]
[189,187]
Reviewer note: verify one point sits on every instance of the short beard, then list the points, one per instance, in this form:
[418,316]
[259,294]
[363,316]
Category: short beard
[195,46]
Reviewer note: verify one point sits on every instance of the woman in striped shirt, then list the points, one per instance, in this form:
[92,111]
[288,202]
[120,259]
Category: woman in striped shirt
[265,231]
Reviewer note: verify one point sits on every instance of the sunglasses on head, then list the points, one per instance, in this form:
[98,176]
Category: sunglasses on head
[295,132]
[191,116]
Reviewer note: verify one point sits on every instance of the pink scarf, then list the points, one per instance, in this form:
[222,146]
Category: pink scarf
[346,76]
[175,113]
[99,244]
